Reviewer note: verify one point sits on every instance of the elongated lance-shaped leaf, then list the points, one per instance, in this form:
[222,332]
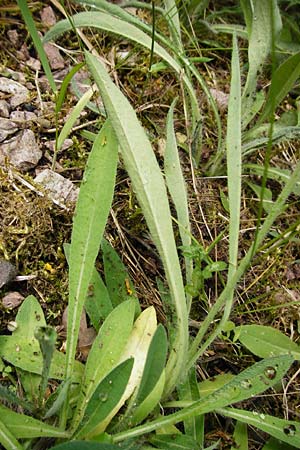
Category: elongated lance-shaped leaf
[93,205]
[105,353]
[176,186]
[61,394]
[47,338]
[119,285]
[259,47]
[105,398]
[148,393]
[234,156]
[23,426]
[151,401]
[266,341]
[285,430]
[283,80]
[97,303]
[136,348]
[250,382]
[148,183]
[73,117]
[7,439]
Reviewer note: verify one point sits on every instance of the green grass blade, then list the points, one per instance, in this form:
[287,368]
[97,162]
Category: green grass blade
[148,183]
[285,430]
[73,117]
[240,436]
[37,42]
[177,188]
[92,209]
[64,86]
[120,13]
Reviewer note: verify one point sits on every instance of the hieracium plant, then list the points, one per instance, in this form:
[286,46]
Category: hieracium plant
[138,387]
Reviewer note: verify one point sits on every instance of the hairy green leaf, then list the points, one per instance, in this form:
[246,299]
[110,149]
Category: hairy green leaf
[119,285]
[105,353]
[92,209]
[105,398]
[266,341]
[23,426]
[148,183]
[286,430]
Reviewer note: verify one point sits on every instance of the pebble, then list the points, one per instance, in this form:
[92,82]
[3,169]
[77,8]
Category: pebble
[8,272]
[59,188]
[19,93]
[12,300]
[22,151]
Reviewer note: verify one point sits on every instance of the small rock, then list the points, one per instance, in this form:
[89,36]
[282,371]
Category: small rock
[16,76]
[48,16]
[7,127]
[8,272]
[14,37]
[12,300]
[66,144]
[33,63]
[19,93]
[22,151]
[55,59]
[4,109]
[60,189]
[22,118]
[23,53]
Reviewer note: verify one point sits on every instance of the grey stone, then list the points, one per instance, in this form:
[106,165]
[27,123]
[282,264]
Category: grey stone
[8,272]
[23,117]
[4,109]
[12,300]
[22,151]
[20,93]
[7,128]
[60,189]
